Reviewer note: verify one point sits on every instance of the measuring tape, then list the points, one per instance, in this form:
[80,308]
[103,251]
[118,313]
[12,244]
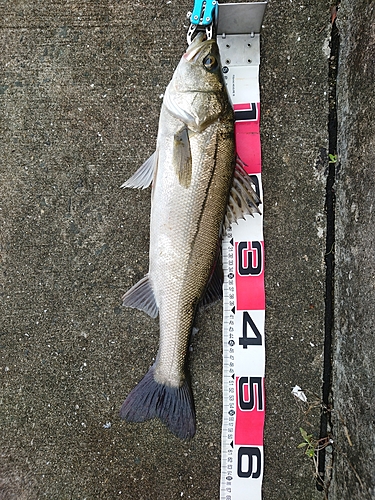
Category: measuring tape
[242,457]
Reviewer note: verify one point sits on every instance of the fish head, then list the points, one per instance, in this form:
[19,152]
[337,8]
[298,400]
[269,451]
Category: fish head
[197,94]
[199,69]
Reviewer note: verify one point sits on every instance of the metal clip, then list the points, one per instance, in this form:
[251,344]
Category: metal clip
[193,30]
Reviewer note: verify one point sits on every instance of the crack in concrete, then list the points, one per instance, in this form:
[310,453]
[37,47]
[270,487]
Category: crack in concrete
[322,483]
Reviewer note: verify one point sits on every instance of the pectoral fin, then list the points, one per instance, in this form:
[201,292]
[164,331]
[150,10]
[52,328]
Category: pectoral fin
[144,175]
[182,157]
[141,296]
[243,200]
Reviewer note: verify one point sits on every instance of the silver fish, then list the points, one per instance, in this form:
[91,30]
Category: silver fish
[197,190]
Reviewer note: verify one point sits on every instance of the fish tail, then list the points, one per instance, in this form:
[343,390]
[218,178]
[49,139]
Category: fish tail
[173,405]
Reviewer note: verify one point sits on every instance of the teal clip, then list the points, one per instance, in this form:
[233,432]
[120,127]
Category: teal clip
[202,18]
[203,12]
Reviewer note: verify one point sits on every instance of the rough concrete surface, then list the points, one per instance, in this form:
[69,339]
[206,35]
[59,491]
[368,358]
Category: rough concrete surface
[80,88]
[354,353]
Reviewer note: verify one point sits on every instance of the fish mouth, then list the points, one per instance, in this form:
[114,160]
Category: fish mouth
[199,43]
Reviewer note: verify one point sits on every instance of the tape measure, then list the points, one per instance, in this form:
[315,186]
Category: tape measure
[242,457]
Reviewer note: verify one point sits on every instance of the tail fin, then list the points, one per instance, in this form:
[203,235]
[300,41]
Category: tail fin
[174,406]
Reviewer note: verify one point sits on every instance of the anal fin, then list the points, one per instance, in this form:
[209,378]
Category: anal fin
[141,296]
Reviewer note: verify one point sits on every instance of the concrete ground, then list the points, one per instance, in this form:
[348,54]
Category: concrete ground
[80,93]
[354,350]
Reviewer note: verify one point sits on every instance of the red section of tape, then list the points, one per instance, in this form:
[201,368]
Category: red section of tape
[247,134]
[250,411]
[250,291]
[242,106]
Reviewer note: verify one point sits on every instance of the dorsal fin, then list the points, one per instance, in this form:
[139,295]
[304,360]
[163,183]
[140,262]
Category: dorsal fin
[243,200]
[214,290]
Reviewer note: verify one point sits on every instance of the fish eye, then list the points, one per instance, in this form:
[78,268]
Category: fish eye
[210,63]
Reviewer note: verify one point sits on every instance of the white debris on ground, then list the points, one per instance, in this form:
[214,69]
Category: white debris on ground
[299,394]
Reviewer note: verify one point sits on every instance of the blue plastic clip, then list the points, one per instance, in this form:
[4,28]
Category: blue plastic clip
[203,12]
[202,18]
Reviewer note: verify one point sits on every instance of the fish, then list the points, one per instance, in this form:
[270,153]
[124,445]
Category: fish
[198,190]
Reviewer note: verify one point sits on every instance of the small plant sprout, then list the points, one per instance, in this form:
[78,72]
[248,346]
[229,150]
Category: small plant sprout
[313,446]
[308,443]
[332,158]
